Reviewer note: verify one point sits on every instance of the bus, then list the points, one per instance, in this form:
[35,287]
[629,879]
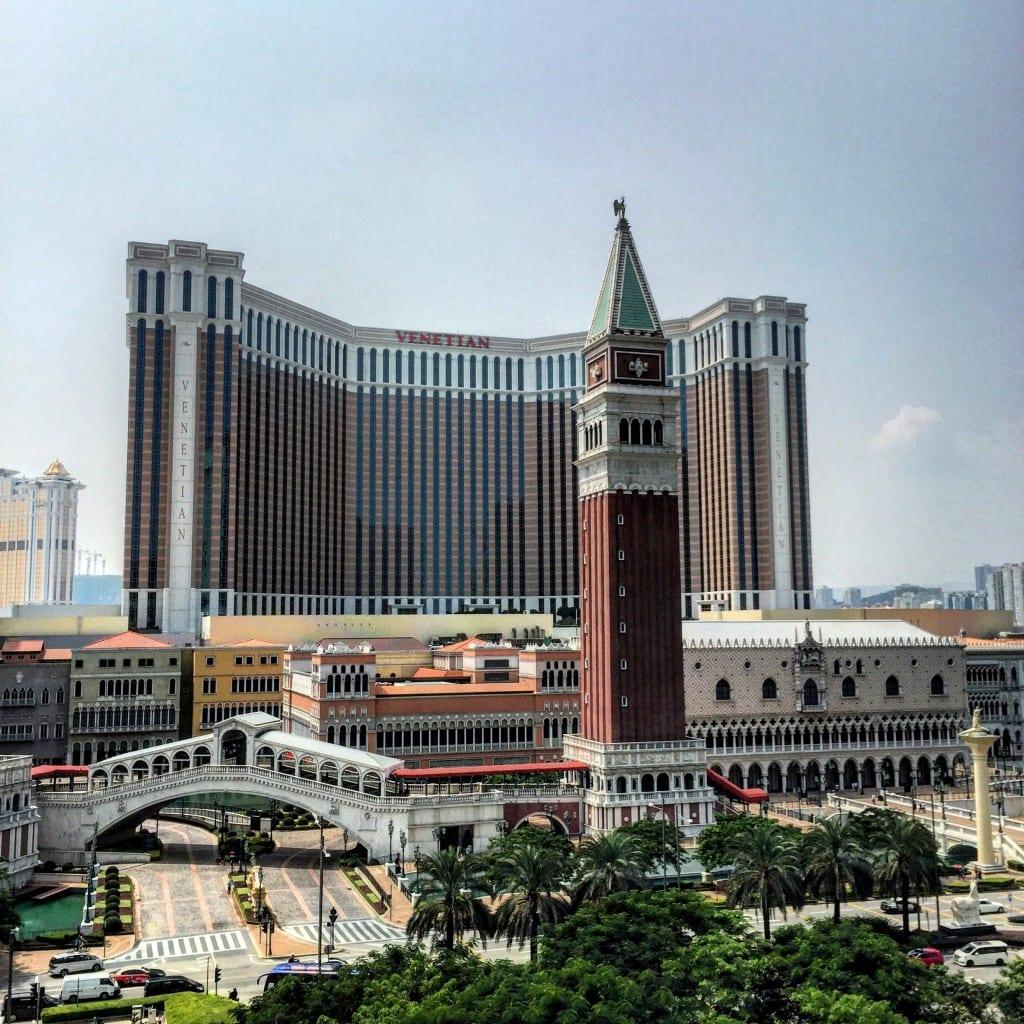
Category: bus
[303,970]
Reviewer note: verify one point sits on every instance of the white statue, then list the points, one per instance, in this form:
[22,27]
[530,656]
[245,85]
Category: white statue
[967,909]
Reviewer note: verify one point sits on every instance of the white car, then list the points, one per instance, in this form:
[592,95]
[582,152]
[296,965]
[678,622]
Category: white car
[990,907]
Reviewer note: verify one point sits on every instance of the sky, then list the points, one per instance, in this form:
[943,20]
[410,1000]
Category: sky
[450,167]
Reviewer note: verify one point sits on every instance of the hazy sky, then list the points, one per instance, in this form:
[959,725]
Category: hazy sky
[451,166]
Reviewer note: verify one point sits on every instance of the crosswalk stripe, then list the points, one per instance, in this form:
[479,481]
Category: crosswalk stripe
[365,930]
[185,946]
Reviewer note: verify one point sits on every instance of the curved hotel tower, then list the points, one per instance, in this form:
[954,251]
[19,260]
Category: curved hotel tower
[282,461]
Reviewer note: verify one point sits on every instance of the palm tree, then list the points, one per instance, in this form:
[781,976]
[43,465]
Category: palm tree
[905,857]
[450,900]
[530,878]
[834,856]
[607,863]
[766,871]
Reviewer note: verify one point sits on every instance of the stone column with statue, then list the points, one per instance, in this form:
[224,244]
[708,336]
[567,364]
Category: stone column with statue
[980,741]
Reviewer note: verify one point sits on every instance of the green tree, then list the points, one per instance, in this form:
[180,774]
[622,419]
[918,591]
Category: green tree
[1009,992]
[714,842]
[606,863]
[530,881]
[844,1008]
[450,900]
[9,917]
[658,842]
[636,931]
[833,857]
[766,870]
[905,858]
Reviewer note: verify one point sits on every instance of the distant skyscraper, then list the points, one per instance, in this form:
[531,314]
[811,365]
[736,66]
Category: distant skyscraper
[281,461]
[38,527]
[854,597]
[981,576]
[1004,589]
[824,598]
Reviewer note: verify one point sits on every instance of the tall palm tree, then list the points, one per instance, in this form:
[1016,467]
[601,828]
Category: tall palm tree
[905,857]
[530,878]
[450,900]
[766,871]
[607,863]
[834,856]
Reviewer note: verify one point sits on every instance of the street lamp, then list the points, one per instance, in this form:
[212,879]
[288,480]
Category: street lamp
[332,920]
[391,832]
[401,842]
[12,938]
[1001,804]
[416,861]
[320,907]
[437,832]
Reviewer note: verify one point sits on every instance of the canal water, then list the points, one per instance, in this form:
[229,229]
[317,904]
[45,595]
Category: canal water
[62,914]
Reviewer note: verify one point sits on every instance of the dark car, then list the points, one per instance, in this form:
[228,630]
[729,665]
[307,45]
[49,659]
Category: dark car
[23,1003]
[896,906]
[172,983]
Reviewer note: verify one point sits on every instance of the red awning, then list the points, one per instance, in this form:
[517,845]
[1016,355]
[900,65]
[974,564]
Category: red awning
[462,771]
[724,785]
[59,771]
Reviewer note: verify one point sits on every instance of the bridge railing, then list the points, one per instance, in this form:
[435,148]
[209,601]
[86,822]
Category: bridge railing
[231,774]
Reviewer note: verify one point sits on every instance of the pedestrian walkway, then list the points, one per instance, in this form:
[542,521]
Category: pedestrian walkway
[348,932]
[186,946]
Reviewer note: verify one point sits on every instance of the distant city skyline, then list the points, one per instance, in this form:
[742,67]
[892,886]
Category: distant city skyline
[443,170]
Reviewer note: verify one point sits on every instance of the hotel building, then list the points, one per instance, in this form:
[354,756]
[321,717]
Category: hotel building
[38,528]
[236,679]
[283,461]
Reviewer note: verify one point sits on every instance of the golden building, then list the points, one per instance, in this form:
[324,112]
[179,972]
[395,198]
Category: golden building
[38,525]
[235,679]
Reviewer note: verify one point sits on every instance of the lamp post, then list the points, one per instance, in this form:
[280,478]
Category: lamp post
[320,903]
[940,788]
[332,920]
[391,832]
[416,861]
[437,832]
[1001,805]
[401,842]
[12,939]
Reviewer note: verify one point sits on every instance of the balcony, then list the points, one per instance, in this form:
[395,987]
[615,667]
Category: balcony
[822,705]
[18,702]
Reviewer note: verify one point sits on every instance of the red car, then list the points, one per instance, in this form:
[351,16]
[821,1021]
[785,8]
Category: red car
[927,955]
[130,976]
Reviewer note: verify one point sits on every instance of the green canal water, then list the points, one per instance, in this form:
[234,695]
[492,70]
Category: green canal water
[61,914]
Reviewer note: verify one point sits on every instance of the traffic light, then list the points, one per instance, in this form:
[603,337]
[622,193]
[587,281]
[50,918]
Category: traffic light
[216,974]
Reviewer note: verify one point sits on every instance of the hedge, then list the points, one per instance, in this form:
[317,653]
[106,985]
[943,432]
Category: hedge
[180,1008]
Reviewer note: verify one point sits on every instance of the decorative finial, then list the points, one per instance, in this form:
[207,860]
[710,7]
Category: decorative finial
[619,206]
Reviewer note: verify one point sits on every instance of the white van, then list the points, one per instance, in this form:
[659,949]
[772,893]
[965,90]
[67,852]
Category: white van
[984,953]
[85,987]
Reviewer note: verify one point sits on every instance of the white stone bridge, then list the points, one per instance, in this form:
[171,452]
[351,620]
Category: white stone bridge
[250,755]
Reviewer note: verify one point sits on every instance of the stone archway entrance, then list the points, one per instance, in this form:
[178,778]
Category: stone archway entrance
[233,748]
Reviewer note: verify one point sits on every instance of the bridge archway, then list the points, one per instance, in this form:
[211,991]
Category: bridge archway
[542,819]
[233,747]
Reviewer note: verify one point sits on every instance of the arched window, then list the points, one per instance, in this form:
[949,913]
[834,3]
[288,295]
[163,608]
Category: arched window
[634,432]
[140,304]
[211,296]
[849,687]
[229,304]
[646,438]
[160,291]
[722,690]
[938,686]
[186,292]
[769,690]
[659,432]
[892,687]
[623,431]
[810,694]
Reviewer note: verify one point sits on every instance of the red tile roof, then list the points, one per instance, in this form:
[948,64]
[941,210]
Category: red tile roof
[125,641]
[22,646]
[994,641]
[463,645]
[440,673]
[56,654]
[252,643]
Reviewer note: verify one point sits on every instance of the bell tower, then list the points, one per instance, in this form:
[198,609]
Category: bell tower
[633,726]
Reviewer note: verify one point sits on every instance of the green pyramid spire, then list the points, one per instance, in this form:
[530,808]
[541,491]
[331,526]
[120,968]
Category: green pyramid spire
[625,304]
